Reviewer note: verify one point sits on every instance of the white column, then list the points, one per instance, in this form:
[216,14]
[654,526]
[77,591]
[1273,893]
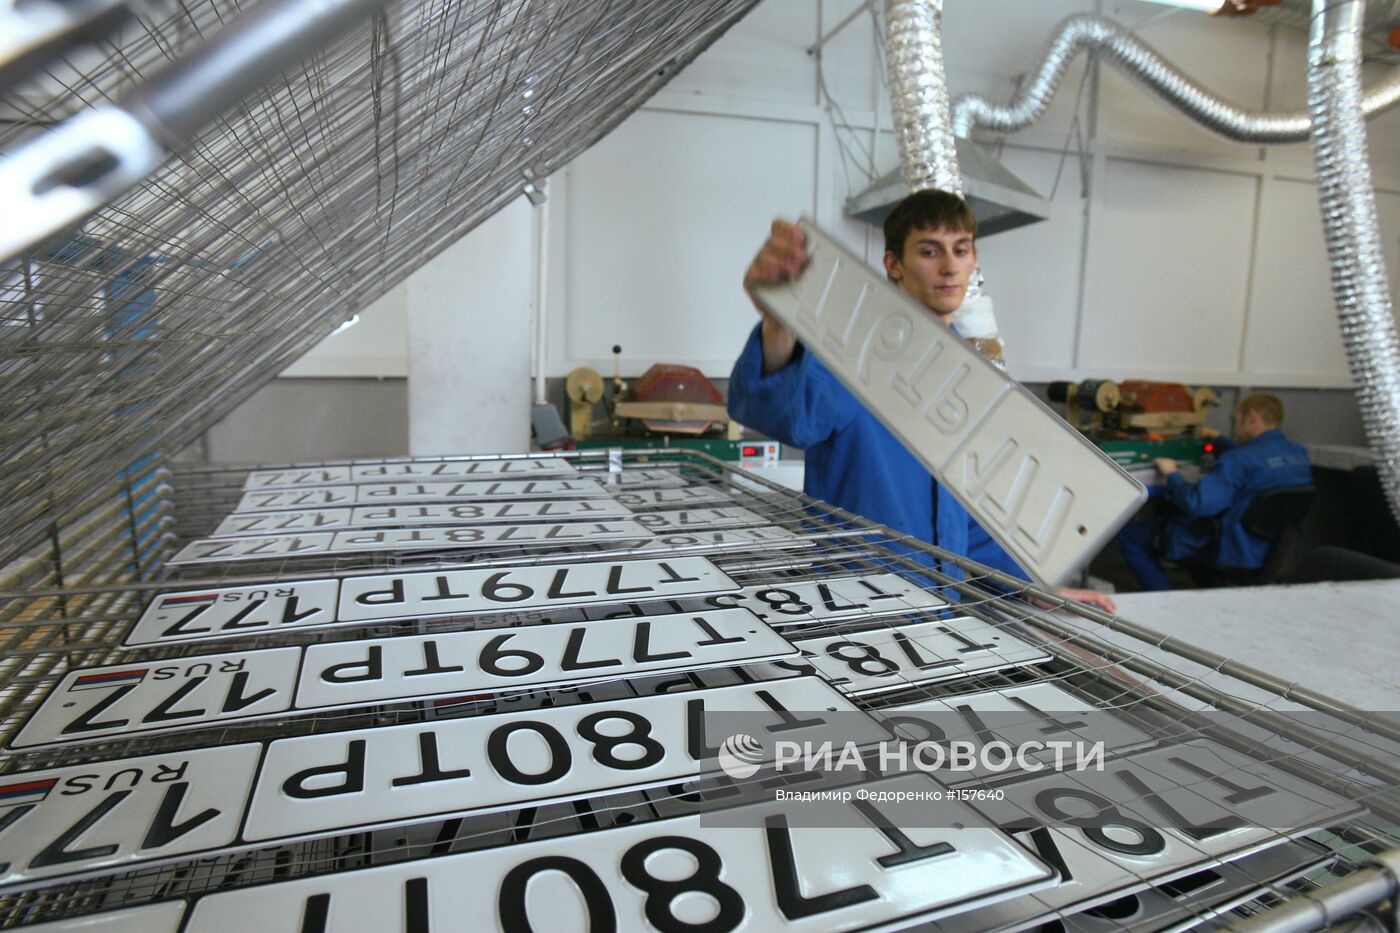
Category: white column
[469,341]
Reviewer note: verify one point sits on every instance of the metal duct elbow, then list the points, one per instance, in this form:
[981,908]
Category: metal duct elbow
[1360,287]
[1154,72]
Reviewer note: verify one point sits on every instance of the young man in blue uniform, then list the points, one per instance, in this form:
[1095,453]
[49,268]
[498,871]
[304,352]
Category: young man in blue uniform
[1259,458]
[852,460]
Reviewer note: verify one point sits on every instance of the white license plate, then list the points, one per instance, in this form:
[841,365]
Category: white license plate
[1156,815]
[362,672]
[724,539]
[232,611]
[445,469]
[152,918]
[1183,903]
[1050,497]
[312,785]
[371,540]
[769,873]
[1018,716]
[390,493]
[797,602]
[292,477]
[398,516]
[73,820]
[425,594]
[905,655]
[222,612]
[160,696]
[699,519]
[680,495]
[633,478]
[810,602]
[190,693]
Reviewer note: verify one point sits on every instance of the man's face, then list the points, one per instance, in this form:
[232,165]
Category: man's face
[935,268]
[1248,425]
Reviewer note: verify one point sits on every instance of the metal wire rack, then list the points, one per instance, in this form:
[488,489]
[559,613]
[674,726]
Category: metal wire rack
[303,204]
[1169,696]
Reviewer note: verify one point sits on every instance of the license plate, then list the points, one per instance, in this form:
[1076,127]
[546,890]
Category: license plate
[222,612]
[680,495]
[360,672]
[193,692]
[242,610]
[161,696]
[723,540]
[425,594]
[312,785]
[902,656]
[633,478]
[1047,495]
[1181,904]
[370,540]
[797,602]
[769,873]
[389,493]
[73,820]
[1186,903]
[812,602]
[292,477]
[431,469]
[1157,815]
[152,918]
[393,516]
[702,519]
[1018,716]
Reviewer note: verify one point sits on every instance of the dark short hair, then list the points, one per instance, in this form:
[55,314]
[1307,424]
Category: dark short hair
[929,209]
[1269,407]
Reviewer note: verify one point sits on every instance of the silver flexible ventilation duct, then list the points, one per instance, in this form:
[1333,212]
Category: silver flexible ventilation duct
[1338,108]
[1360,286]
[919,94]
[928,157]
[1161,77]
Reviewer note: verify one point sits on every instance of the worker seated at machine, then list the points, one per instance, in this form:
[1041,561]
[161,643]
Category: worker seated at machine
[1259,458]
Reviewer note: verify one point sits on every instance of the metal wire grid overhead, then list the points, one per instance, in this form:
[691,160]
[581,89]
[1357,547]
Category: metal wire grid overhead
[136,332]
[1168,691]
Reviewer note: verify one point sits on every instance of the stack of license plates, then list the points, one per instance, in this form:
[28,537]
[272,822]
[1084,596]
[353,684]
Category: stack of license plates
[531,693]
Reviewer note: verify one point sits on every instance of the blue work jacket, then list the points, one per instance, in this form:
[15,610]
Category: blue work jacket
[1269,461]
[852,460]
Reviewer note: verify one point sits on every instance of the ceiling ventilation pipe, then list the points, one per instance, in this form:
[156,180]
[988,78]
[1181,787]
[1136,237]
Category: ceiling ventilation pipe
[1334,122]
[1360,286]
[928,157]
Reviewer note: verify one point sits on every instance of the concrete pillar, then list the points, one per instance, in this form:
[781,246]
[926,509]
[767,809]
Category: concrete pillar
[469,341]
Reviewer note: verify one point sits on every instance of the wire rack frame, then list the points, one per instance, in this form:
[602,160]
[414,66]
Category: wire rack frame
[1172,691]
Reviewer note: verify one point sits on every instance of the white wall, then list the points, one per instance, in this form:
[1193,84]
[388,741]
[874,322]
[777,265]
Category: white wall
[1170,253]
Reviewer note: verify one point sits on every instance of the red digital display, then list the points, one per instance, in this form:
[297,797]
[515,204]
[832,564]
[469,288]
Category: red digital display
[750,452]
[1209,448]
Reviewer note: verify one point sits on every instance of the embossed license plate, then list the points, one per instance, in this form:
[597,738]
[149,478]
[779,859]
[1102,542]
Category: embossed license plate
[1050,497]
[74,820]
[901,656]
[766,872]
[194,692]
[384,471]
[372,540]
[401,516]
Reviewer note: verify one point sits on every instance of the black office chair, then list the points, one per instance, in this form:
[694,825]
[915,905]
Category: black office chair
[1276,515]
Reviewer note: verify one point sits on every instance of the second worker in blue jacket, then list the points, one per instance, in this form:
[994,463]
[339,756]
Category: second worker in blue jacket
[852,460]
[1259,458]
